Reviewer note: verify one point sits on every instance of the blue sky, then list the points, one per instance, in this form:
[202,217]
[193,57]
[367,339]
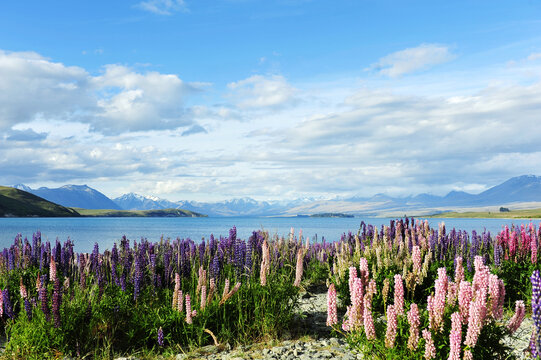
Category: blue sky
[210,100]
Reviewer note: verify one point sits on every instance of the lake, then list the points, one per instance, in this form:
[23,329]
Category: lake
[106,231]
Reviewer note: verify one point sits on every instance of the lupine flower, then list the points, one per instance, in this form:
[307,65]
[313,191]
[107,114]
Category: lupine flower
[299,267]
[188,309]
[363,269]
[22,289]
[57,300]
[211,291]
[536,311]
[416,257]
[203,296]
[1,303]
[455,336]
[430,349]
[28,309]
[414,322]
[398,294]
[468,355]
[385,290]
[160,337]
[439,300]
[465,296]
[8,307]
[459,270]
[52,269]
[392,326]
[516,320]
[226,288]
[369,328]
[476,318]
[180,302]
[231,293]
[356,311]
[332,316]
[265,263]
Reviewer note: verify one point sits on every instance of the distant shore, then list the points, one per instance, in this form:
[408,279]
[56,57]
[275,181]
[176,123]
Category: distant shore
[511,214]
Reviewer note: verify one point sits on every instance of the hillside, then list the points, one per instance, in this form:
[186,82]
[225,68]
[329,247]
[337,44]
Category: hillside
[18,203]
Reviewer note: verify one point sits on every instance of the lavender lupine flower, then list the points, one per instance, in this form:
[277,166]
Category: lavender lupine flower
[8,307]
[28,309]
[57,300]
[536,311]
[1,303]
[138,276]
[160,337]
[43,298]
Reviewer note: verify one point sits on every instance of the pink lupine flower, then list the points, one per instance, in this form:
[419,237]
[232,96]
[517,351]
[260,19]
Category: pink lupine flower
[22,290]
[175,292]
[52,270]
[455,336]
[265,263]
[465,296]
[468,355]
[430,349]
[476,318]
[439,299]
[533,248]
[516,320]
[430,309]
[452,293]
[399,294]
[459,270]
[299,267]
[203,296]
[356,311]
[231,293]
[332,315]
[352,277]
[480,278]
[346,322]
[371,289]
[188,309]
[180,302]
[414,322]
[369,328]
[392,326]
[364,272]
[496,291]
[416,257]
[226,288]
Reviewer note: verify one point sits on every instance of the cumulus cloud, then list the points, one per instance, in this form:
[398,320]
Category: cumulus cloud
[259,91]
[413,59]
[163,7]
[118,100]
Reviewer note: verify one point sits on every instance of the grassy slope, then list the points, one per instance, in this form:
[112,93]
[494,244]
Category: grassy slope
[138,213]
[18,203]
[513,214]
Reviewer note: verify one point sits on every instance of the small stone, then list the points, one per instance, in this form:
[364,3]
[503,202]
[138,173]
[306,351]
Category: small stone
[181,357]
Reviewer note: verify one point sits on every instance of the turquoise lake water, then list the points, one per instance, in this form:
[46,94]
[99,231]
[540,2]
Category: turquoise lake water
[106,231]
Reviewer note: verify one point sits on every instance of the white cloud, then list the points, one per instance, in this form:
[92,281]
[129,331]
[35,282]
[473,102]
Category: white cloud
[410,60]
[259,91]
[118,100]
[163,7]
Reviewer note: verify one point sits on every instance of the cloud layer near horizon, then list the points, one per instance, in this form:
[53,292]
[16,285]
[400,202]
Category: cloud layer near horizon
[124,130]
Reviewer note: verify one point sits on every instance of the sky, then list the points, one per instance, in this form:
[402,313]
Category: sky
[210,100]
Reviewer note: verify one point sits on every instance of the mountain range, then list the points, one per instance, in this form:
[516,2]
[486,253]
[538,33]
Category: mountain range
[519,192]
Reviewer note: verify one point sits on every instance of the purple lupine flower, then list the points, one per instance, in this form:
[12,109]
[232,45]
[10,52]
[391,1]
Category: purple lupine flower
[8,307]
[138,275]
[28,309]
[160,337]
[44,300]
[215,267]
[57,300]
[536,311]
[202,248]
[249,255]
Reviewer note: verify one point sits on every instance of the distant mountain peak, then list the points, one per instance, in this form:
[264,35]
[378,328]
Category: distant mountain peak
[22,187]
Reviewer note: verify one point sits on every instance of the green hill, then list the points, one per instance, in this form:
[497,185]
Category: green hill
[138,213]
[18,203]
